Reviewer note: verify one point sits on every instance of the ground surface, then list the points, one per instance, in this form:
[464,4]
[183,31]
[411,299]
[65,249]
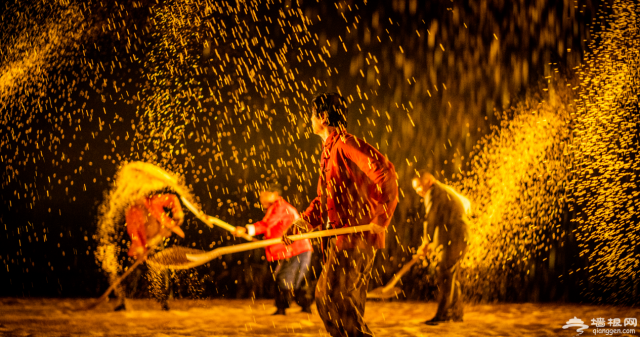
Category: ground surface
[57,317]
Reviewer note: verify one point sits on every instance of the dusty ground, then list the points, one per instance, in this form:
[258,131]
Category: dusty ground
[57,317]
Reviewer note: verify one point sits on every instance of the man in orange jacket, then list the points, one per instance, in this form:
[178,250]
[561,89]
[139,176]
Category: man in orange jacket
[293,261]
[151,218]
[148,221]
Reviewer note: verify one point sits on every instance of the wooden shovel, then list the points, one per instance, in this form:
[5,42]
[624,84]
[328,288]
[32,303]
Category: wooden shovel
[184,258]
[389,290]
[151,245]
[211,221]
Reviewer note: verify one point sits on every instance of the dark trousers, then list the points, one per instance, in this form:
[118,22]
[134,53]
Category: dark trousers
[342,290]
[160,284]
[450,304]
[159,281]
[290,279]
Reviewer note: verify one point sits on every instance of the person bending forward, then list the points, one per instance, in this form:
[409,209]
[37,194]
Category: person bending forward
[148,221]
[447,211]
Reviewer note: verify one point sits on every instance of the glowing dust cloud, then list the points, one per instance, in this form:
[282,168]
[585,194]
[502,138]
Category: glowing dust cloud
[516,185]
[133,181]
[605,187]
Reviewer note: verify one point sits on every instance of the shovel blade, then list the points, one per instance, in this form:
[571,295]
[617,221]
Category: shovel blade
[201,257]
[379,293]
[174,258]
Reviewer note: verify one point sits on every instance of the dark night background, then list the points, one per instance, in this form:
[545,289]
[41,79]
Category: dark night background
[426,81]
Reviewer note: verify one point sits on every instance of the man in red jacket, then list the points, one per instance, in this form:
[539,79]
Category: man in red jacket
[357,186]
[152,218]
[149,220]
[293,261]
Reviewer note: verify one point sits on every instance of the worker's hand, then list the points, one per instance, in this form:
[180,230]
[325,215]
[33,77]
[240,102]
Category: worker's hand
[420,251]
[429,249]
[178,217]
[301,224]
[240,231]
[425,250]
[178,220]
[430,252]
[377,229]
[436,254]
[137,252]
[297,227]
[142,257]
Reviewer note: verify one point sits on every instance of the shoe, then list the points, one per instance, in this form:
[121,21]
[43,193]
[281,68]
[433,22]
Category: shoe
[436,321]
[120,307]
[279,312]
[307,310]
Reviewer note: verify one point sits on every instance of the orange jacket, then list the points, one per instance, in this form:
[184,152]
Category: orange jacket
[357,186]
[142,228]
[279,217]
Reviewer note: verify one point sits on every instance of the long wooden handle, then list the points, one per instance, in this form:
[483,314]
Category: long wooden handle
[407,267]
[203,258]
[211,221]
[158,173]
[399,274]
[152,244]
[115,284]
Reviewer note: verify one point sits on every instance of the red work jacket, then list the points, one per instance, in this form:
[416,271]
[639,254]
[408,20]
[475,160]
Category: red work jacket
[279,217]
[357,186]
[137,218]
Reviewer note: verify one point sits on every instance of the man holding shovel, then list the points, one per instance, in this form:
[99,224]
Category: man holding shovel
[446,235]
[292,261]
[151,217]
[357,186]
[149,220]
